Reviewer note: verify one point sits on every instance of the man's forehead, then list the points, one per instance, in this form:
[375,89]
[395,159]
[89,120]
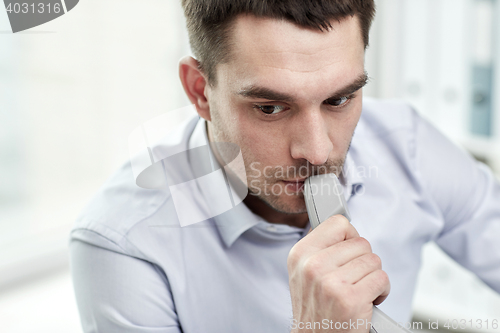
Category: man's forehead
[301,62]
[282,44]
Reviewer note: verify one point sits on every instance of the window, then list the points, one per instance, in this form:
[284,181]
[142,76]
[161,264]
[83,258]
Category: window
[72,91]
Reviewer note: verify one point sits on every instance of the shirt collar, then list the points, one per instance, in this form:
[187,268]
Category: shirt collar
[234,222]
[352,179]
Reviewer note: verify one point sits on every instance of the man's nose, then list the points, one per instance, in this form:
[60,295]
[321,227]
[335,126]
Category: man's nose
[310,138]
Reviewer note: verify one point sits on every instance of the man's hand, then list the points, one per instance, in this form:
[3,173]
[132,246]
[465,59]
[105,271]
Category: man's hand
[335,277]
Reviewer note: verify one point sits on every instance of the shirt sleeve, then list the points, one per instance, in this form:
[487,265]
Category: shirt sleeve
[466,195]
[116,292]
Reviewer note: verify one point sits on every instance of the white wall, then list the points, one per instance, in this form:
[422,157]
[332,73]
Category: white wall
[71,91]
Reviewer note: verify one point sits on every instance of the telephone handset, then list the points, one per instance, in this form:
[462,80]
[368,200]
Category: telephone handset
[324,198]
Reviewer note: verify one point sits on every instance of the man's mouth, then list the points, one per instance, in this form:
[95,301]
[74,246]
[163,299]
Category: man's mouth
[294,185]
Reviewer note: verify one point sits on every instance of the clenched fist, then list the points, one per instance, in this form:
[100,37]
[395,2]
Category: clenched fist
[334,277]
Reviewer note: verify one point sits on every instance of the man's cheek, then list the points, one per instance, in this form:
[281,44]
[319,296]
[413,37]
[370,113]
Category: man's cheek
[255,187]
[255,169]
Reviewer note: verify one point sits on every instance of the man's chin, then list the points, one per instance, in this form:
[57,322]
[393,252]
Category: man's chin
[286,204]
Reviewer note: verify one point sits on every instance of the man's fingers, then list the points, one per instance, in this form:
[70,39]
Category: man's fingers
[342,253]
[335,229]
[356,269]
[375,285]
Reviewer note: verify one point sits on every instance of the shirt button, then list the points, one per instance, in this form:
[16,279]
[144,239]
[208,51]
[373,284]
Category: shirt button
[271,228]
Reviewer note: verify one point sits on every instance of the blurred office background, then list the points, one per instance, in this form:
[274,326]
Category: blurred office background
[72,90]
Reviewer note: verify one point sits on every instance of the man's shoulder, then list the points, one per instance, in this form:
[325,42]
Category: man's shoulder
[119,206]
[381,117]
[387,133]
[121,209]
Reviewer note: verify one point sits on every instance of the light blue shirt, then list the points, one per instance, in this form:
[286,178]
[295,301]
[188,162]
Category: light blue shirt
[136,270]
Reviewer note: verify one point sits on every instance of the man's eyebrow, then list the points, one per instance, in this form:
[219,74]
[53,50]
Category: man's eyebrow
[359,83]
[264,93]
[269,94]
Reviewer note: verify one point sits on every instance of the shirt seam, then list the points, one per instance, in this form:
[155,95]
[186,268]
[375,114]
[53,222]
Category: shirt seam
[98,234]
[135,224]
[119,244]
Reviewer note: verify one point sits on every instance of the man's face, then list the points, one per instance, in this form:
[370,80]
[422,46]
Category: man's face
[290,98]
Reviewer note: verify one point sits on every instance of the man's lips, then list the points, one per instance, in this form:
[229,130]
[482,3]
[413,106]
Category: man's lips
[294,185]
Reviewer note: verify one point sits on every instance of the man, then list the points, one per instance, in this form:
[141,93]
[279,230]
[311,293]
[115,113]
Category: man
[283,81]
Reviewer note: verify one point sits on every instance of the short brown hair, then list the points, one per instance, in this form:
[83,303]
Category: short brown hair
[209,21]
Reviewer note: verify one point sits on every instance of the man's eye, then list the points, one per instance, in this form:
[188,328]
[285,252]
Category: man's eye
[338,101]
[270,109]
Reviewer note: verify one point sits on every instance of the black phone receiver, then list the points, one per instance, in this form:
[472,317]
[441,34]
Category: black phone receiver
[324,197]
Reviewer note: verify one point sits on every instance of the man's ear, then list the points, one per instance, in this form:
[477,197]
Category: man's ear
[194,83]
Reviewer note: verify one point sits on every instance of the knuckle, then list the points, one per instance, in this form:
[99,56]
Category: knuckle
[293,257]
[343,221]
[311,267]
[384,278]
[364,243]
[374,260]
[340,221]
